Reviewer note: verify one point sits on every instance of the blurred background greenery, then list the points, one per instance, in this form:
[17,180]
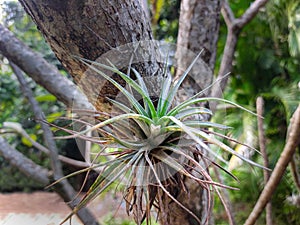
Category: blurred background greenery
[267,64]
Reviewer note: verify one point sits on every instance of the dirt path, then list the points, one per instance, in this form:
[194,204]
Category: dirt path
[42,208]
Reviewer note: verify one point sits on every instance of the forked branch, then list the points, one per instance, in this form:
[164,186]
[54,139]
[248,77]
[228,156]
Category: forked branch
[234,26]
[227,13]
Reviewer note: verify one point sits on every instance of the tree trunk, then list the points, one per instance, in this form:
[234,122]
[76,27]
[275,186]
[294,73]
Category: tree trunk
[198,30]
[90,28]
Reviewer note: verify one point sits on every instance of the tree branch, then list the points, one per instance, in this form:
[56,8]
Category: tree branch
[250,13]
[261,135]
[227,13]
[39,174]
[88,29]
[293,141]
[234,27]
[295,172]
[18,128]
[64,189]
[40,70]
[262,146]
[225,67]
[25,165]
[39,116]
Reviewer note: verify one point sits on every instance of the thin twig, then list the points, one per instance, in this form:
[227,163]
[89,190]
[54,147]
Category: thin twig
[292,142]
[262,146]
[87,150]
[17,128]
[41,71]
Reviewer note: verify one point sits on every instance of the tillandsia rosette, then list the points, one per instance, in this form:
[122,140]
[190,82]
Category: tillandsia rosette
[152,145]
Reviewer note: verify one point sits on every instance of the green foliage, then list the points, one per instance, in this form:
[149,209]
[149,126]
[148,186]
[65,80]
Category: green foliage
[264,66]
[284,18]
[165,19]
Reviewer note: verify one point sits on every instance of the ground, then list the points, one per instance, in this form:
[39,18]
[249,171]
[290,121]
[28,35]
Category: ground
[44,208]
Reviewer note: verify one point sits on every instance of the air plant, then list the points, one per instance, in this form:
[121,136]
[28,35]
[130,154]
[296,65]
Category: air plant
[155,144]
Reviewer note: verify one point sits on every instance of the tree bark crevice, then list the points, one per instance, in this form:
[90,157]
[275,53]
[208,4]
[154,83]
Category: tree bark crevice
[74,27]
[88,29]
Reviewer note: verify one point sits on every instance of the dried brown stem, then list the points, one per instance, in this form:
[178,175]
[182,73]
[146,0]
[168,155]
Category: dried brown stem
[292,142]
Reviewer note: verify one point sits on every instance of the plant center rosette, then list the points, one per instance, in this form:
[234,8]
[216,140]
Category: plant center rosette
[148,139]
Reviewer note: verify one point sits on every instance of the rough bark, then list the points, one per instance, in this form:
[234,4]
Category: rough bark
[196,200]
[88,29]
[198,30]
[40,70]
[199,27]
